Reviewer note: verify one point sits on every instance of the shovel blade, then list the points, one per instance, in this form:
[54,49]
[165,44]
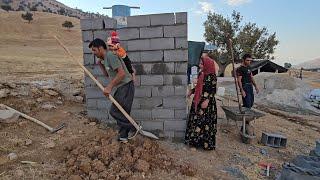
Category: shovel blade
[148,134]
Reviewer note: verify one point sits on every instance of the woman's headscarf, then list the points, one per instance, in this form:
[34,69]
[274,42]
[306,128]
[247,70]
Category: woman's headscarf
[208,68]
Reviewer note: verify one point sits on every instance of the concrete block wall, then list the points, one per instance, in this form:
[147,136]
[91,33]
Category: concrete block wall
[157,46]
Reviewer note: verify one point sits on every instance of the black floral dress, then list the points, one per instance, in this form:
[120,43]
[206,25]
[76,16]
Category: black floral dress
[202,125]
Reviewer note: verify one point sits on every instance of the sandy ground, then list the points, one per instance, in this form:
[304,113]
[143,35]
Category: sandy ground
[25,57]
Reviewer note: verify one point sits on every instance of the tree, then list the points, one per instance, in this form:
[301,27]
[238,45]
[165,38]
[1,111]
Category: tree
[67,24]
[6,7]
[246,38]
[27,16]
[287,65]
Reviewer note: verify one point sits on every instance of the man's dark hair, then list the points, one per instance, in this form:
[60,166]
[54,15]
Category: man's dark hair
[98,43]
[244,57]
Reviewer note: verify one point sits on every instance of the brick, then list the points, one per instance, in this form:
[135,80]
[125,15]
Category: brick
[152,125]
[175,80]
[86,48]
[161,43]
[162,19]
[98,114]
[180,114]
[181,18]
[176,55]
[181,43]
[91,103]
[163,113]
[175,125]
[87,36]
[142,91]
[138,21]
[175,31]
[162,91]
[88,59]
[142,69]
[150,103]
[181,68]
[174,102]
[180,90]
[109,23]
[138,45]
[86,24]
[103,104]
[141,114]
[162,68]
[101,34]
[94,92]
[97,23]
[151,32]
[153,80]
[134,56]
[151,56]
[128,33]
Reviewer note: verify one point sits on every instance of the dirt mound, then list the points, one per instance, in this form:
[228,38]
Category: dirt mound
[104,157]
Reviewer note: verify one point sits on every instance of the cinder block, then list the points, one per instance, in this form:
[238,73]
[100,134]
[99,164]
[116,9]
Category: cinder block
[180,114]
[162,68]
[152,125]
[139,45]
[95,70]
[124,44]
[91,103]
[101,34]
[181,68]
[109,23]
[88,82]
[151,80]
[143,91]
[179,134]
[86,24]
[103,80]
[163,113]
[138,21]
[181,18]
[181,43]
[162,91]
[176,55]
[175,102]
[128,33]
[175,80]
[273,140]
[180,90]
[150,103]
[93,92]
[151,32]
[103,104]
[138,81]
[162,19]
[98,114]
[87,36]
[97,23]
[175,31]
[151,56]
[134,56]
[86,48]
[135,104]
[161,43]
[174,125]
[169,134]
[88,59]
[142,69]
[141,114]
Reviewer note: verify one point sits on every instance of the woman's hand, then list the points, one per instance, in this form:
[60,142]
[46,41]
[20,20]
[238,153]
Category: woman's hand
[205,104]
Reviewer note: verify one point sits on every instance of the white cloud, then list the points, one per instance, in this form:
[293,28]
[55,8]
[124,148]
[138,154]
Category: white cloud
[205,7]
[237,2]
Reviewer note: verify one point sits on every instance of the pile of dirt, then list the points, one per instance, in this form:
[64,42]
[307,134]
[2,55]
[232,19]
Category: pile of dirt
[103,157]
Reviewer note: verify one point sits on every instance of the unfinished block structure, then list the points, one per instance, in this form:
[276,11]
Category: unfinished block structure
[158,47]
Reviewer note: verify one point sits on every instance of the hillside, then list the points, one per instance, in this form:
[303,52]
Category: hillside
[27,49]
[50,6]
[310,64]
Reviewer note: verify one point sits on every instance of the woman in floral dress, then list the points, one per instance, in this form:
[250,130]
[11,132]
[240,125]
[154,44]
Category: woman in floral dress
[202,122]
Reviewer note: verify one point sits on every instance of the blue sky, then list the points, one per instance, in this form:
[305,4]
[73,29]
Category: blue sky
[296,22]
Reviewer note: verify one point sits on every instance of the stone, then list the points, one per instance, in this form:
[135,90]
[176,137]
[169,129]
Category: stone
[19,173]
[75,177]
[50,92]
[142,166]
[50,145]
[79,99]
[92,123]
[8,116]
[12,156]
[48,106]
[28,142]
[4,93]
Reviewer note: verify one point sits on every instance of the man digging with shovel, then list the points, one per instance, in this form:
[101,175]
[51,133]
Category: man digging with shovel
[121,80]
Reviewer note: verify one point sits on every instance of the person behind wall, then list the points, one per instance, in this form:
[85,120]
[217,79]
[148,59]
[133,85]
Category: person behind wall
[120,79]
[202,122]
[246,82]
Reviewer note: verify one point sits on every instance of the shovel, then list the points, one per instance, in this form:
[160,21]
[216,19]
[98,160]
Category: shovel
[131,120]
